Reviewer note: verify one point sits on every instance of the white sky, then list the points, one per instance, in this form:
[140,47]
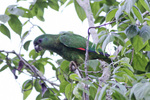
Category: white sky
[65,20]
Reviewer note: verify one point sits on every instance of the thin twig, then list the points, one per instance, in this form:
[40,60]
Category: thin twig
[132,56]
[31,67]
[86,67]
[95,83]
[106,23]
[91,71]
[105,76]
[23,38]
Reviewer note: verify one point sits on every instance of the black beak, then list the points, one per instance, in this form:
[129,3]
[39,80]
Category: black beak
[37,47]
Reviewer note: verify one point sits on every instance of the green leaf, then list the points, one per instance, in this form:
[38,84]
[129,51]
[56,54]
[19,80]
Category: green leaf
[40,67]
[53,66]
[131,31]
[38,10]
[118,39]
[121,87]
[124,24]
[12,9]
[108,39]
[137,43]
[103,36]
[44,60]
[3,68]
[27,12]
[15,24]
[46,94]
[76,91]
[68,90]
[34,9]
[37,85]
[147,19]
[131,18]
[101,94]
[99,19]
[80,86]
[15,61]
[40,13]
[33,54]
[126,6]
[93,92]
[138,13]
[27,88]
[64,66]
[24,35]
[119,12]
[4,18]
[5,30]
[87,82]
[74,77]
[63,71]
[80,12]
[2,57]
[53,4]
[41,29]
[147,47]
[117,94]
[26,45]
[63,85]
[26,94]
[57,93]
[140,91]
[145,4]
[50,94]
[94,64]
[145,33]
[111,14]
[139,62]
[106,8]
[125,61]
[96,9]
[123,74]
[25,23]
[148,74]
[63,1]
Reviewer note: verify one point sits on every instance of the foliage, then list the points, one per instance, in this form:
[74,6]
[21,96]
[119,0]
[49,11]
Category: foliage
[128,26]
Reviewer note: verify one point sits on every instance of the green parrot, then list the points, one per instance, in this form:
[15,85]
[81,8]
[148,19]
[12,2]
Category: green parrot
[69,46]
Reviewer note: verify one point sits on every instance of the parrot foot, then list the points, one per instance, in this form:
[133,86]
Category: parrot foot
[73,66]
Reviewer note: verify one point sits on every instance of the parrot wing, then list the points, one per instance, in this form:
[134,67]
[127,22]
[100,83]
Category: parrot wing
[76,41]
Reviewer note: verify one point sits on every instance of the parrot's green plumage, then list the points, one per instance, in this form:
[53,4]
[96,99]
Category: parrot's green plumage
[69,46]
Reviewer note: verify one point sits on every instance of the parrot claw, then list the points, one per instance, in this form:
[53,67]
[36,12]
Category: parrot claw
[73,66]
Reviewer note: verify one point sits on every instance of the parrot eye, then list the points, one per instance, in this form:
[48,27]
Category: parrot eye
[40,40]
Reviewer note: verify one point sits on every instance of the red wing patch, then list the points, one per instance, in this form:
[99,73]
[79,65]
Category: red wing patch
[81,49]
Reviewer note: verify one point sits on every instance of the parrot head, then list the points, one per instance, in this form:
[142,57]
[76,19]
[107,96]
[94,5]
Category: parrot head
[39,42]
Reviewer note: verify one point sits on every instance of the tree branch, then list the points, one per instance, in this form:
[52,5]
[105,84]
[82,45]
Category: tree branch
[86,96]
[32,68]
[85,4]
[105,76]
[91,71]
